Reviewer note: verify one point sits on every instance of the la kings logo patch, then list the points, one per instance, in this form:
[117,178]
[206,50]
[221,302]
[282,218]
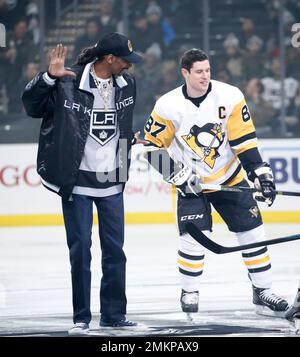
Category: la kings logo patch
[103,125]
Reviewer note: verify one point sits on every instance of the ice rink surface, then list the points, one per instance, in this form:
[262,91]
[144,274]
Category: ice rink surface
[35,284]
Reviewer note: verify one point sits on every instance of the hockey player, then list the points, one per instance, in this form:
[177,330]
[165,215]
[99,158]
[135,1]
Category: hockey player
[206,130]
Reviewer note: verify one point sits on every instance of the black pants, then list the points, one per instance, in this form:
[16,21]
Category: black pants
[78,218]
[239,210]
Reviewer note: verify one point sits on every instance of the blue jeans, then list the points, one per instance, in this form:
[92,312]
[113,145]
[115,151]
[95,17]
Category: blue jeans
[78,218]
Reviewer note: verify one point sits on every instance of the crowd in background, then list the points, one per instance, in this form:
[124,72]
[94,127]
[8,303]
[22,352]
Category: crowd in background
[248,57]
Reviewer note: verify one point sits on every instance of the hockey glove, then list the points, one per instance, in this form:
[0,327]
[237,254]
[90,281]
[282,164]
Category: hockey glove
[263,180]
[187,183]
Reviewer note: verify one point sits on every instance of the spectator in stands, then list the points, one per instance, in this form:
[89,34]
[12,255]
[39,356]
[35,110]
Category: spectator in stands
[272,90]
[233,59]
[293,121]
[32,15]
[292,62]
[152,64]
[247,31]
[224,76]
[19,51]
[20,46]
[90,36]
[293,6]
[10,12]
[261,111]
[108,20]
[254,60]
[155,26]
[186,14]
[272,46]
[169,78]
[165,11]
[148,78]
[272,11]
[3,10]
[140,31]
[30,71]
[3,100]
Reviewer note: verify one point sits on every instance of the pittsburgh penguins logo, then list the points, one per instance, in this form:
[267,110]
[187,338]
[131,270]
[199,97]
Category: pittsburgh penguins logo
[254,211]
[205,142]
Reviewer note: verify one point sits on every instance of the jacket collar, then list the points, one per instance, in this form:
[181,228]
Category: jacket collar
[83,74]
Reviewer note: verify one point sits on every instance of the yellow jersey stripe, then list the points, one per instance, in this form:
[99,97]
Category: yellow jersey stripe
[238,178]
[238,124]
[257,261]
[220,173]
[246,147]
[190,265]
[159,131]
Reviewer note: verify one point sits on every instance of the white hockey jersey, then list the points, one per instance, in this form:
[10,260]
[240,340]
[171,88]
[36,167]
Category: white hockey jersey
[207,138]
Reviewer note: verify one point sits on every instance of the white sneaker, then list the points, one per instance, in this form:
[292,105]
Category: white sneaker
[79,329]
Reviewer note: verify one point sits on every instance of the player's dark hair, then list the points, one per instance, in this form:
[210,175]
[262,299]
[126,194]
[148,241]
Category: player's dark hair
[191,56]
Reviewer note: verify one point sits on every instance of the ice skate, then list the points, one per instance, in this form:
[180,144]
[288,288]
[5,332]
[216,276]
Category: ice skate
[268,304]
[293,314]
[189,304]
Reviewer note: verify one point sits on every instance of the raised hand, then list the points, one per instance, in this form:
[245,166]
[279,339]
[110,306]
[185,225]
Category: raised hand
[57,59]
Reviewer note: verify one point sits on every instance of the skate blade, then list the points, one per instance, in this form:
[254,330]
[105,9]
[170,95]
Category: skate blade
[190,318]
[265,311]
[294,326]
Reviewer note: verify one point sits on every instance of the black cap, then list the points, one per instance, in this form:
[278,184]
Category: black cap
[119,46]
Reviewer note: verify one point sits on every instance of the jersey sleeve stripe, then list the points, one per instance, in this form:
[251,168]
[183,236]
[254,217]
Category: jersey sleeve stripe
[250,159]
[245,147]
[161,132]
[242,139]
[151,146]
[239,126]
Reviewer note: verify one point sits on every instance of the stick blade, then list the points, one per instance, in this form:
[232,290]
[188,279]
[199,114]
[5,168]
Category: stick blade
[204,240]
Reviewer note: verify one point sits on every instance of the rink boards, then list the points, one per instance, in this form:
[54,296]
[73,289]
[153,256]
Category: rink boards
[24,202]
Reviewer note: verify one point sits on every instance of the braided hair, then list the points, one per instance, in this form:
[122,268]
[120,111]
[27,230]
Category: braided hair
[87,55]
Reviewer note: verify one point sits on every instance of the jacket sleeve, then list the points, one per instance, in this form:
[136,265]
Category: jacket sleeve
[36,96]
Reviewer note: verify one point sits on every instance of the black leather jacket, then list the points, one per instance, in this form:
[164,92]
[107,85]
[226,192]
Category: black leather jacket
[65,109]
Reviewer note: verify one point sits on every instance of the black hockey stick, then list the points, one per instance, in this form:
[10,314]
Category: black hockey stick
[219,249]
[245,189]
